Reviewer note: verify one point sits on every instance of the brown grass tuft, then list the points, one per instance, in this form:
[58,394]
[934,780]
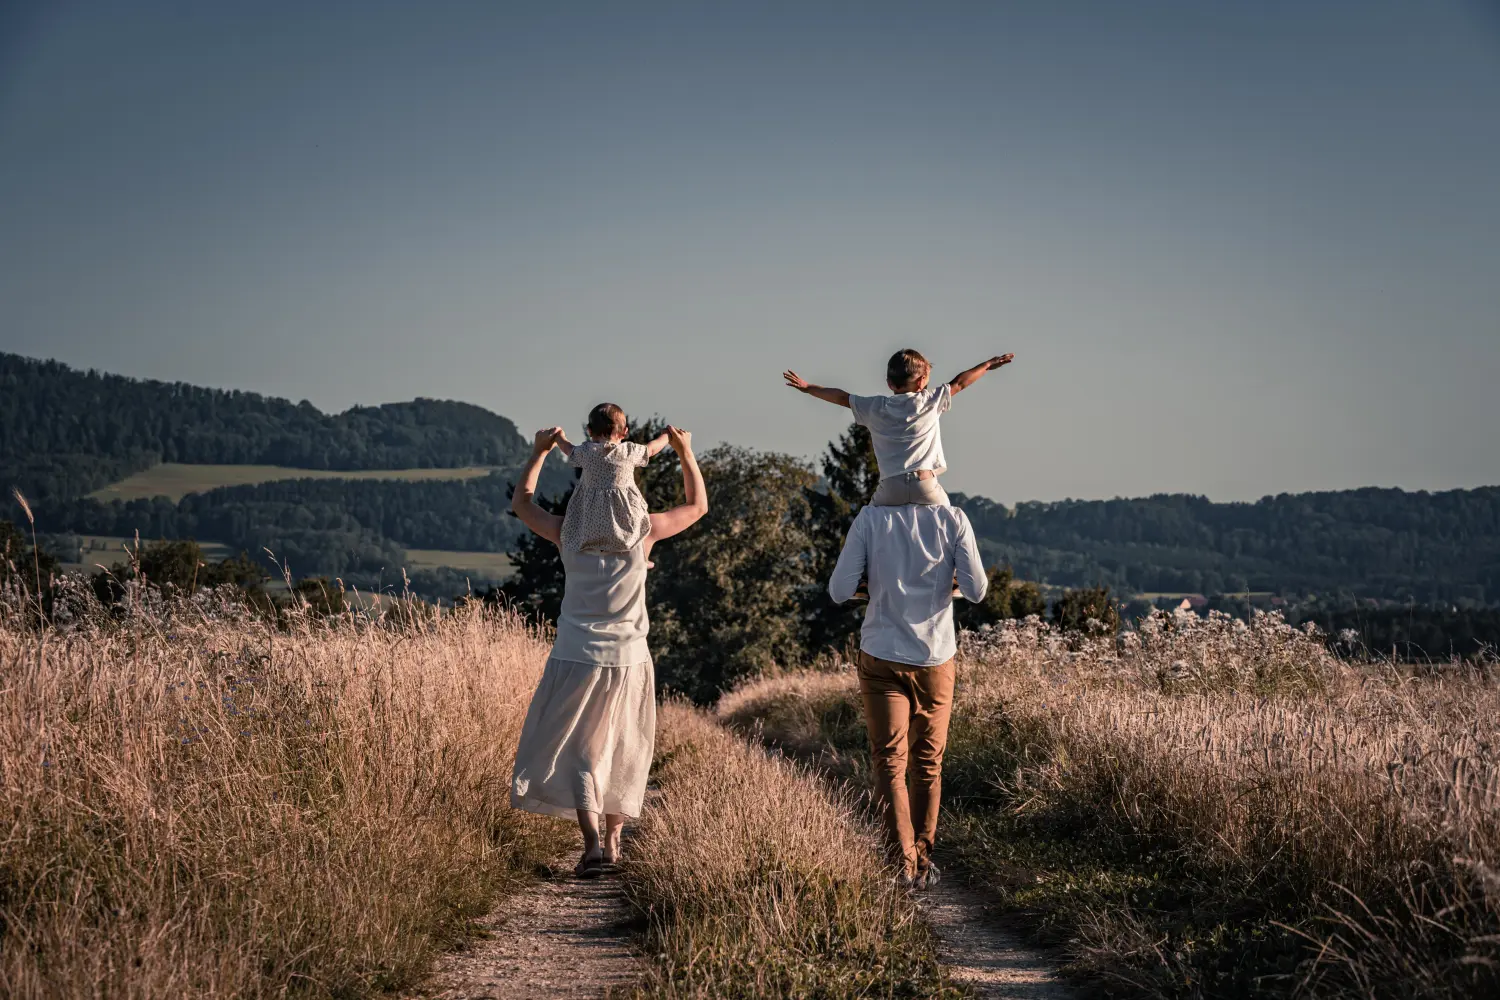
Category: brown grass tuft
[756,883]
[199,803]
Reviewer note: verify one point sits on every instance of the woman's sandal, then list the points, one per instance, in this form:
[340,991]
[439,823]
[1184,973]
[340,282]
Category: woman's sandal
[611,864]
[589,868]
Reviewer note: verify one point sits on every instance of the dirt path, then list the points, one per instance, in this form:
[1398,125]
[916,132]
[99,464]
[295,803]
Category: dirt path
[561,938]
[993,962]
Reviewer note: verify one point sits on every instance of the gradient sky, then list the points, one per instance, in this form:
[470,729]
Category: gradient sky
[1237,248]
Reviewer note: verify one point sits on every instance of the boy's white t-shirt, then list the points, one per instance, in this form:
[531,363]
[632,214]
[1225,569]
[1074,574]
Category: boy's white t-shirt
[904,428]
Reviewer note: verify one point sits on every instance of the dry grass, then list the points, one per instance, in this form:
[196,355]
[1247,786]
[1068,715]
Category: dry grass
[194,803]
[756,883]
[1218,810]
[175,480]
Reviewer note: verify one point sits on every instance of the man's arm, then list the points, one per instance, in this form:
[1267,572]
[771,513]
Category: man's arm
[851,565]
[838,397]
[973,582]
[968,377]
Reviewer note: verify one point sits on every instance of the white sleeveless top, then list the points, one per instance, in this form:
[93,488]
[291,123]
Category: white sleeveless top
[603,619]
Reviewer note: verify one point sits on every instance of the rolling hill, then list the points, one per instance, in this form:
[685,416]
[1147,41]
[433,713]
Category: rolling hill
[350,493]
[69,432]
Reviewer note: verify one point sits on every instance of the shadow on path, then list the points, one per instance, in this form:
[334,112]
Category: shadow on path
[561,937]
[989,960]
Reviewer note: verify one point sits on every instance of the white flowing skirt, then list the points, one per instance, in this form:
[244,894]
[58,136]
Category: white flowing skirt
[587,740]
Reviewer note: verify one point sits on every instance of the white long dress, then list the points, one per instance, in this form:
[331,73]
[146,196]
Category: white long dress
[591,727]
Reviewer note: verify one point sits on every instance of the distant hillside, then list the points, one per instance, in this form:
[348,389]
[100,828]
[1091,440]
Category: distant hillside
[1439,548]
[328,526]
[68,432]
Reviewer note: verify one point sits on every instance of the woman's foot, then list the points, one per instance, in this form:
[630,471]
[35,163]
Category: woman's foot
[591,866]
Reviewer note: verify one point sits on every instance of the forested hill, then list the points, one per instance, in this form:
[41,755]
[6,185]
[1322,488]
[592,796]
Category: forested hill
[1389,543]
[67,432]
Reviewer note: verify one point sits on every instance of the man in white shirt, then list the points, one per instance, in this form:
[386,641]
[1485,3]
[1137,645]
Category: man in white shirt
[912,555]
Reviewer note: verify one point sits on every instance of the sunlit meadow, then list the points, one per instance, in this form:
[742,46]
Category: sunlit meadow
[1212,807]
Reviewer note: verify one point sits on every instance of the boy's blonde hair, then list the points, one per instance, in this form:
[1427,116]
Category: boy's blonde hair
[906,368]
[606,420]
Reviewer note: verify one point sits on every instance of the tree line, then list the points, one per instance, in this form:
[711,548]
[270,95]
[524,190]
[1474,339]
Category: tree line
[1387,544]
[68,432]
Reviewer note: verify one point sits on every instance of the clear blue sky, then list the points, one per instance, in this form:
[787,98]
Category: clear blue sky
[1237,248]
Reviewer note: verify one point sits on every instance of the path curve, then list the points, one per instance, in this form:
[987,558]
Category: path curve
[561,937]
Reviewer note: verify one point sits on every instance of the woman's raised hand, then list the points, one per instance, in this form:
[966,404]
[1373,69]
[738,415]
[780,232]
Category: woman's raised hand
[545,440]
[680,440]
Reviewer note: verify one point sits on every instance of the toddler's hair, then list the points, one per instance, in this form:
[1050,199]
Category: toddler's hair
[607,420]
[906,368]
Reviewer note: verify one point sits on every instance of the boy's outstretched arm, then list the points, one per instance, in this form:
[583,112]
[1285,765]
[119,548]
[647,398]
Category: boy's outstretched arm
[838,397]
[656,444]
[964,379]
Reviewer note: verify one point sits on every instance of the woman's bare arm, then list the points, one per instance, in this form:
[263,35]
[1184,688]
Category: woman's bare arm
[683,516]
[523,500]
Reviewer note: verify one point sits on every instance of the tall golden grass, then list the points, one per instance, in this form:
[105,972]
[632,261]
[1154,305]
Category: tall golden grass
[1323,828]
[196,802]
[756,883]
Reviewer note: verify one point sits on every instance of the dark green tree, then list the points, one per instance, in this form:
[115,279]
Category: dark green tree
[177,566]
[1005,599]
[850,477]
[727,594]
[1075,609]
[536,581]
[22,564]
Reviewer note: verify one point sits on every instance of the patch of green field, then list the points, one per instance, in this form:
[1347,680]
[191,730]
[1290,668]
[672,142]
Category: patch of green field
[175,480]
[492,565]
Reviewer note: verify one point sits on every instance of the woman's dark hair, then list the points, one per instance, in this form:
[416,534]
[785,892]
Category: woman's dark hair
[906,368]
[606,420]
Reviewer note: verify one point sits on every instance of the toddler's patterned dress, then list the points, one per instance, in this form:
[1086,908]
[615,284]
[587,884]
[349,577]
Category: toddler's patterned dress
[607,512]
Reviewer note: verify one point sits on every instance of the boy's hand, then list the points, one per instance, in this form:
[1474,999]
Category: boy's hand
[1001,361]
[838,397]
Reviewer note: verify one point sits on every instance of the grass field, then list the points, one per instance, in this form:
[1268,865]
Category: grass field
[490,565]
[201,802]
[1209,808]
[106,550]
[175,480]
[224,806]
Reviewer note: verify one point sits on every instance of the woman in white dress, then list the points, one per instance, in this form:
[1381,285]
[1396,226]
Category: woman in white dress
[586,745]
